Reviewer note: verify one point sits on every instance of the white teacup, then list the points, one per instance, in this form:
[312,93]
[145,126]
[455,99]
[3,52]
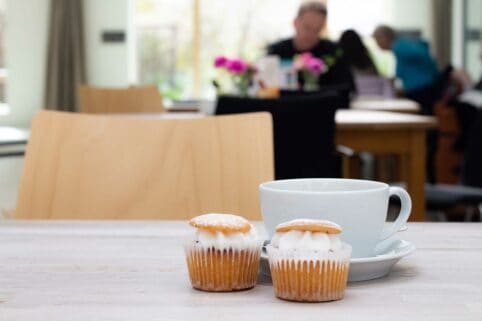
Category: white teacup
[358,206]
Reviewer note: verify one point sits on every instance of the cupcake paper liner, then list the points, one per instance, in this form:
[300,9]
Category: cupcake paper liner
[309,276]
[222,270]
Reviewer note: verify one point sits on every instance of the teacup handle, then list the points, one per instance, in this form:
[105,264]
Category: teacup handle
[406,207]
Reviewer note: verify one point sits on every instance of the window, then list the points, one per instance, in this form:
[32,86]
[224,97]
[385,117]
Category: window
[177,40]
[472,21]
[381,11]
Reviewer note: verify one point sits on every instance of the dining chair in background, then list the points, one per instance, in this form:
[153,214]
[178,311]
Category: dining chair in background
[468,193]
[303,129]
[99,100]
[343,91]
[105,167]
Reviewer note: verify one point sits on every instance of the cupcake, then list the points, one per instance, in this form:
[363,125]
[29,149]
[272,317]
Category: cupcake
[308,262]
[223,254]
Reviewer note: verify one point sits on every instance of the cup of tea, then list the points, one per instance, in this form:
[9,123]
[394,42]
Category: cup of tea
[359,206]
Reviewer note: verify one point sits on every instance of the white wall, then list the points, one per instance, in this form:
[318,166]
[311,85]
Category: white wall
[26,52]
[364,16]
[107,62]
[26,55]
[412,14]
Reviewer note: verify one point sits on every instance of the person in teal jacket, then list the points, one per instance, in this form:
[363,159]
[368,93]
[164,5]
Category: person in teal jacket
[415,67]
[421,79]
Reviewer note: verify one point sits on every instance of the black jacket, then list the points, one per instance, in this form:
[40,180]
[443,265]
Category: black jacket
[338,74]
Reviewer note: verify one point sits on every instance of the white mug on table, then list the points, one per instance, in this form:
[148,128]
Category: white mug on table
[358,206]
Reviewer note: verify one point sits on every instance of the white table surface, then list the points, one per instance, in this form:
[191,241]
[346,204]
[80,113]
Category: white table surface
[136,271]
[13,135]
[400,105]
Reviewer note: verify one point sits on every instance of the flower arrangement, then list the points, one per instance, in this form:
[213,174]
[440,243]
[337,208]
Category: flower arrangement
[311,68]
[240,71]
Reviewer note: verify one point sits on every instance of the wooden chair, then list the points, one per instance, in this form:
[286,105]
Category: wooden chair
[459,174]
[448,160]
[97,100]
[105,167]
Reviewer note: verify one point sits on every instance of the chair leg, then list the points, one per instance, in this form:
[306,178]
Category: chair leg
[345,161]
[469,213]
[477,217]
[460,213]
[351,167]
[442,216]
[437,216]
[473,213]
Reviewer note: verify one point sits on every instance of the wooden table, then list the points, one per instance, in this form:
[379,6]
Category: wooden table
[399,105]
[383,133]
[121,270]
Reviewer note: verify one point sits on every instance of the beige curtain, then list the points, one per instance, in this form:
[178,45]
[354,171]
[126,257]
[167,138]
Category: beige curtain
[66,60]
[442,31]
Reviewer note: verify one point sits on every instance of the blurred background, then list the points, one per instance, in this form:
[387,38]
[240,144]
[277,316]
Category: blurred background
[172,43]
[48,48]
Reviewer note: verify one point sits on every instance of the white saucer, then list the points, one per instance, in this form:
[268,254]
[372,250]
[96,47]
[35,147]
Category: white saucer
[369,268]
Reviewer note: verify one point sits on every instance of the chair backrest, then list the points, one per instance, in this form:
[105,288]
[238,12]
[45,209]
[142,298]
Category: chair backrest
[342,90]
[98,100]
[447,158]
[107,167]
[304,129]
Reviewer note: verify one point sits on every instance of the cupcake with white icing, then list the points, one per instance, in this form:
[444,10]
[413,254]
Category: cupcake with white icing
[308,262]
[223,253]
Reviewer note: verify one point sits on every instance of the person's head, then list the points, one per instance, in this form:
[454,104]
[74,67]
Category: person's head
[309,23]
[354,51]
[384,36]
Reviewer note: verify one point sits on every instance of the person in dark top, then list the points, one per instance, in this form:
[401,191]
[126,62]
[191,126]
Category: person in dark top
[308,24]
[356,54]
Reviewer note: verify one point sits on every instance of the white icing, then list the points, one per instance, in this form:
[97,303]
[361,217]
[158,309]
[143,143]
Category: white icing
[281,259]
[219,240]
[306,240]
[220,220]
[307,221]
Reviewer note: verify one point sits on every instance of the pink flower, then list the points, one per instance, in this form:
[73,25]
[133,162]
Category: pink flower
[306,61]
[316,66]
[302,61]
[306,57]
[220,61]
[236,66]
